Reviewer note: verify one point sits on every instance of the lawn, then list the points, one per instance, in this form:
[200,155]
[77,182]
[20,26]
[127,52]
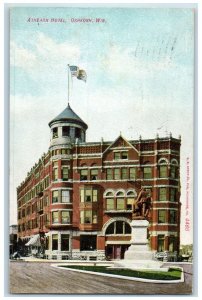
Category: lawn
[172,274]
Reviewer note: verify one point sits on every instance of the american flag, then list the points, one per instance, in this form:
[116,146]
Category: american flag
[74,71]
[79,74]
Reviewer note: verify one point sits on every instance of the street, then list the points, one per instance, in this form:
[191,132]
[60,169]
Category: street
[41,278]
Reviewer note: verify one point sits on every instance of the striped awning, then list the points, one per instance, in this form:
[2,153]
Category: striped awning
[34,241]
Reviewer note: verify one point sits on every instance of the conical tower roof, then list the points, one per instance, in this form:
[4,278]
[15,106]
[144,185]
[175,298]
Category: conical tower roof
[68,115]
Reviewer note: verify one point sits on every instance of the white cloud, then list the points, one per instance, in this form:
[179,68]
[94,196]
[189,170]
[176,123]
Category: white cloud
[22,57]
[123,63]
[47,55]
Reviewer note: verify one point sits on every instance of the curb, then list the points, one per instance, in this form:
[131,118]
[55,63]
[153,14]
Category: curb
[122,277]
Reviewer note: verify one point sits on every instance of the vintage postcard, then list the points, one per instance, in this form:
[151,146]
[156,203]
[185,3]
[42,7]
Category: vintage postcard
[101,150]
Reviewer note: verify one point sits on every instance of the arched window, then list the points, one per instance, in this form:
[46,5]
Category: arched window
[120,200]
[131,194]
[163,167]
[120,194]
[174,168]
[118,227]
[174,162]
[109,194]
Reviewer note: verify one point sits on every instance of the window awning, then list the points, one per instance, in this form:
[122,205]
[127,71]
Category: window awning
[34,241]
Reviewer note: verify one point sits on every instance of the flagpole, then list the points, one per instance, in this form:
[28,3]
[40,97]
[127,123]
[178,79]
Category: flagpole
[68,84]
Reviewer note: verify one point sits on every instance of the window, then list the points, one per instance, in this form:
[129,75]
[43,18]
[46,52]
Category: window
[117,155]
[55,174]
[162,194]
[64,242]
[120,203]
[65,151]
[65,197]
[110,229]
[55,164]
[173,216]
[110,203]
[95,195]
[46,182]
[162,216]
[54,242]
[124,155]
[147,172]
[124,174]
[55,218]
[65,173]
[127,228]
[121,155]
[118,227]
[116,174]
[161,239]
[55,197]
[94,174]
[85,217]
[46,219]
[120,194]
[172,242]
[65,217]
[77,133]
[88,242]
[94,217]
[82,195]
[163,171]
[88,217]
[129,203]
[173,172]
[55,132]
[84,175]
[109,174]
[132,173]
[172,194]
[65,131]
[88,195]
[109,194]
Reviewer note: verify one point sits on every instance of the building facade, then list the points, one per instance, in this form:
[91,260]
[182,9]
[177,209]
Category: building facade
[76,201]
[13,230]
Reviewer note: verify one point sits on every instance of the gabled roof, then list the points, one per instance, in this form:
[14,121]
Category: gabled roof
[68,115]
[127,142]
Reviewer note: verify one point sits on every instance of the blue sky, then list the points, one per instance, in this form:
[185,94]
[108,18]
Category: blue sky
[139,64]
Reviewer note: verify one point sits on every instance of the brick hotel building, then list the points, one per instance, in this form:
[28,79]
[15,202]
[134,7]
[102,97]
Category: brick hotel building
[76,201]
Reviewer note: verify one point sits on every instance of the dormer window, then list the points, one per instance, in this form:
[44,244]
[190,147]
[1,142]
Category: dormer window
[55,132]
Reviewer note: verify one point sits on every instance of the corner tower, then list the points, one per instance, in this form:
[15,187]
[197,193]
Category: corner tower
[66,128]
